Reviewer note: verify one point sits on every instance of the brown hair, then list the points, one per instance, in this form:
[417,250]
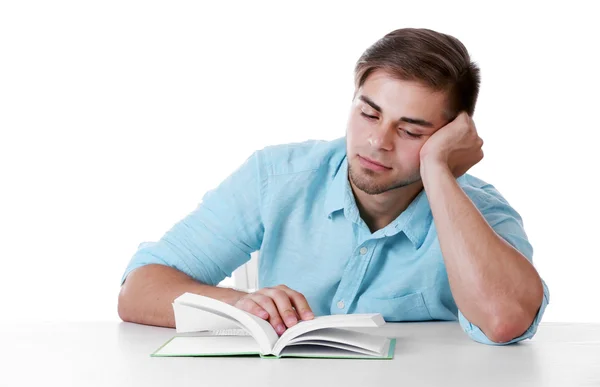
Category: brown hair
[434,59]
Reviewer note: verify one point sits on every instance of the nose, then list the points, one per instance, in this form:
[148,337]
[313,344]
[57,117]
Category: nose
[381,138]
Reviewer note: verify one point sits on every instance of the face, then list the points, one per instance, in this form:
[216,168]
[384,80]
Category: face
[389,122]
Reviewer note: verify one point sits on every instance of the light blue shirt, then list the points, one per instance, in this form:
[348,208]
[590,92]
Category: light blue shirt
[294,204]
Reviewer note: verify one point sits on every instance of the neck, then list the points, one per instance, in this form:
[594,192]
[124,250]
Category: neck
[378,211]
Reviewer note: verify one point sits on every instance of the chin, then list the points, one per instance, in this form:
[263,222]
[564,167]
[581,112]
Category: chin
[366,182]
[369,183]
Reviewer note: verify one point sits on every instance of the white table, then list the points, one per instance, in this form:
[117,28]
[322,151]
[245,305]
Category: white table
[427,354]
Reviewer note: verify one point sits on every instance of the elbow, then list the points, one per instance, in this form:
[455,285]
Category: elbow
[508,327]
[516,320]
[123,308]
[503,332]
[128,303]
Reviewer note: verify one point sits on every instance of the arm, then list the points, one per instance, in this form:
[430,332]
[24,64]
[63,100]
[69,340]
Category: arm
[197,252]
[147,294]
[201,250]
[493,284]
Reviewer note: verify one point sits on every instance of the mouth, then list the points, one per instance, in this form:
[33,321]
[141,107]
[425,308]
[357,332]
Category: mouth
[372,164]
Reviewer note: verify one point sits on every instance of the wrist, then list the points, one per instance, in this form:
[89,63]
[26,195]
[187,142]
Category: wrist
[232,296]
[433,164]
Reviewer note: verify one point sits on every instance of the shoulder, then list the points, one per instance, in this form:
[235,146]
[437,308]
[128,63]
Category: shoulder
[478,190]
[312,155]
[486,197]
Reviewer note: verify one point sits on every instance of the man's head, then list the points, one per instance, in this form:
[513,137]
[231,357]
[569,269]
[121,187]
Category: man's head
[408,85]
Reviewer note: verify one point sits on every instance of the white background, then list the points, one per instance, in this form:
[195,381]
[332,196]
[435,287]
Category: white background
[117,116]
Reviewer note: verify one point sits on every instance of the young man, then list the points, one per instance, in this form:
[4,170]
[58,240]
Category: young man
[384,220]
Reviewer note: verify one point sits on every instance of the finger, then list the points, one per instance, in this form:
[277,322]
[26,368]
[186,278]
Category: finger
[284,306]
[300,304]
[269,305]
[250,306]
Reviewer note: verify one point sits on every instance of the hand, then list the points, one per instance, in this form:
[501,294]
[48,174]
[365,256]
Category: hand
[456,145]
[280,305]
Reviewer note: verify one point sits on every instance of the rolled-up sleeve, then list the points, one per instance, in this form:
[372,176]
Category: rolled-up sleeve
[477,334]
[219,235]
[509,225]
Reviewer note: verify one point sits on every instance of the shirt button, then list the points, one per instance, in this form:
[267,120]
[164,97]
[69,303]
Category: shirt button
[363,250]
[340,304]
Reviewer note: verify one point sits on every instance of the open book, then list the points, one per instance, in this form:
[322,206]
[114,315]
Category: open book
[208,327]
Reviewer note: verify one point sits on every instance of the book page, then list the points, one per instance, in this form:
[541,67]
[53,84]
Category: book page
[217,332]
[260,329]
[332,321]
[330,344]
[318,351]
[371,343]
[190,319]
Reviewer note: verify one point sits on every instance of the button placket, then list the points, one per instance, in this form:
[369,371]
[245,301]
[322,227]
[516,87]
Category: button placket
[353,276]
[346,286]
[366,254]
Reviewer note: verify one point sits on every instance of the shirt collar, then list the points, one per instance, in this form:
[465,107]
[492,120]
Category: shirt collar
[334,199]
[415,221]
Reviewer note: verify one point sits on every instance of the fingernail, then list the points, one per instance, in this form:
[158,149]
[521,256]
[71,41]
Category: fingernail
[308,315]
[263,314]
[280,328]
[291,321]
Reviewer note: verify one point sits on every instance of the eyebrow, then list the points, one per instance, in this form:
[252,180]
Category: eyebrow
[415,121]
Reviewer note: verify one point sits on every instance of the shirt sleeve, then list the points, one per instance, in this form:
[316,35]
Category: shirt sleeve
[219,235]
[508,224]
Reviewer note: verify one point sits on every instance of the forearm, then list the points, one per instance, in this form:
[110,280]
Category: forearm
[147,295]
[493,284]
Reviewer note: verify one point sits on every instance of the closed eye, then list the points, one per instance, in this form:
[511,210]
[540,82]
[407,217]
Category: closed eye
[368,116]
[412,135]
